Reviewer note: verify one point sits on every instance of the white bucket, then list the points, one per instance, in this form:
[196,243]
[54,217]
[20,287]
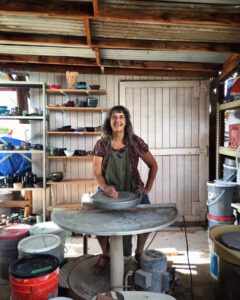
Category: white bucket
[41,244]
[46,228]
[229,173]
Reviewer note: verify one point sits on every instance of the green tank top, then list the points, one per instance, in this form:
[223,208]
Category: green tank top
[118,172]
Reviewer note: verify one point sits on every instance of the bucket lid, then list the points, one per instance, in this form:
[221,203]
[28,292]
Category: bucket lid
[39,243]
[231,240]
[14,231]
[34,266]
[45,227]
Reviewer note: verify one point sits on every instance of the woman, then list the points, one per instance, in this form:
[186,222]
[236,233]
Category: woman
[115,165]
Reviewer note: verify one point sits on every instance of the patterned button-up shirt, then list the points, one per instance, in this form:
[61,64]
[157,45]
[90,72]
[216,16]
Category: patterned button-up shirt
[136,149]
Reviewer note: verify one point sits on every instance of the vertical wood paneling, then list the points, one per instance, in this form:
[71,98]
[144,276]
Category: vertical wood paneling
[172,115]
[166,121]
[188,118]
[166,179]
[173,179]
[195,123]
[159,181]
[151,118]
[180,185]
[176,119]
[159,118]
[188,185]
[136,110]
[143,114]
[180,117]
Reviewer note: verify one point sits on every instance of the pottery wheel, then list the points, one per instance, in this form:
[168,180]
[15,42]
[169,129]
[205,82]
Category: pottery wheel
[124,200]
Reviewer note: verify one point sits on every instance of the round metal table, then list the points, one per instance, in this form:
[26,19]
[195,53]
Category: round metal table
[116,223]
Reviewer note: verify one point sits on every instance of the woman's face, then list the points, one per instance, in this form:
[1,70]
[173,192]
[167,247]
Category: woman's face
[117,121]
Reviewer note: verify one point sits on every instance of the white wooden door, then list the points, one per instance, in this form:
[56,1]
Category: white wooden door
[172,117]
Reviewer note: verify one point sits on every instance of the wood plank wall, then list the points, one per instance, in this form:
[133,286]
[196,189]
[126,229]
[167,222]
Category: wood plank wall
[167,165]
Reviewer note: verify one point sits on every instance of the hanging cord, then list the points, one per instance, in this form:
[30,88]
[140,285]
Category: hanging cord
[189,265]
[152,239]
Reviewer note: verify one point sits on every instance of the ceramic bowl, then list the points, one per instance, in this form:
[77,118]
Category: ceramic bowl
[69,152]
[56,176]
[94,86]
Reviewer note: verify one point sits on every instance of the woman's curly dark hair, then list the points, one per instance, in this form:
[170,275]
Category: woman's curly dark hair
[128,130]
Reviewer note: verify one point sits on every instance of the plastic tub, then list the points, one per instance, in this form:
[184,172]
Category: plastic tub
[42,244]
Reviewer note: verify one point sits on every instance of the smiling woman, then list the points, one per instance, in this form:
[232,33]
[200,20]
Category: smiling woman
[115,164]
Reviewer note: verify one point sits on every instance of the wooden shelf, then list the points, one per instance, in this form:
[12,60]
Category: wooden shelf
[227,151]
[76,108]
[90,157]
[14,203]
[22,189]
[75,132]
[73,181]
[75,91]
[230,105]
[22,151]
[7,117]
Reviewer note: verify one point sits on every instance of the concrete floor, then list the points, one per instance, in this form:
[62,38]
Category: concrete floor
[170,241]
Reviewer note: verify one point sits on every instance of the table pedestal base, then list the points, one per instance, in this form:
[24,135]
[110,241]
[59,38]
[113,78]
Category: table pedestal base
[116,263]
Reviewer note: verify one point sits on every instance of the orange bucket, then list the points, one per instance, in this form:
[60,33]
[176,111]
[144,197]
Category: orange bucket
[34,277]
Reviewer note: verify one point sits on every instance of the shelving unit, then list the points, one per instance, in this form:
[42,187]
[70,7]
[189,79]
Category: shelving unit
[35,153]
[75,91]
[221,108]
[71,113]
[71,157]
[75,132]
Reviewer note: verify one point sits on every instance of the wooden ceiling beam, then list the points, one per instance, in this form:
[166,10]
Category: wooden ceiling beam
[47,8]
[127,64]
[161,65]
[88,31]
[96,70]
[47,68]
[48,60]
[189,17]
[111,43]
[95,8]
[41,39]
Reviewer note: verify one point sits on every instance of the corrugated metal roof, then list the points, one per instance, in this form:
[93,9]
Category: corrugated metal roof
[47,51]
[41,25]
[164,56]
[169,4]
[153,31]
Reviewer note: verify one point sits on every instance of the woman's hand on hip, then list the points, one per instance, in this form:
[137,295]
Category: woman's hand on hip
[111,192]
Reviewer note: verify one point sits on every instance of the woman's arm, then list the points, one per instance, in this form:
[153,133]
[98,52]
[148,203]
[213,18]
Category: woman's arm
[153,168]
[97,171]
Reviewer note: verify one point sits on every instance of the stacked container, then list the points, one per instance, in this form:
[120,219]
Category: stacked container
[10,235]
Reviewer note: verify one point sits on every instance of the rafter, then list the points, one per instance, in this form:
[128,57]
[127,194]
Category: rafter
[97,70]
[47,8]
[161,65]
[112,43]
[48,60]
[188,16]
[88,31]
[95,8]
[41,39]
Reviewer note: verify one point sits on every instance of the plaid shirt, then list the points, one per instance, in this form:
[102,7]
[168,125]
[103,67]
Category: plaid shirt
[136,149]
